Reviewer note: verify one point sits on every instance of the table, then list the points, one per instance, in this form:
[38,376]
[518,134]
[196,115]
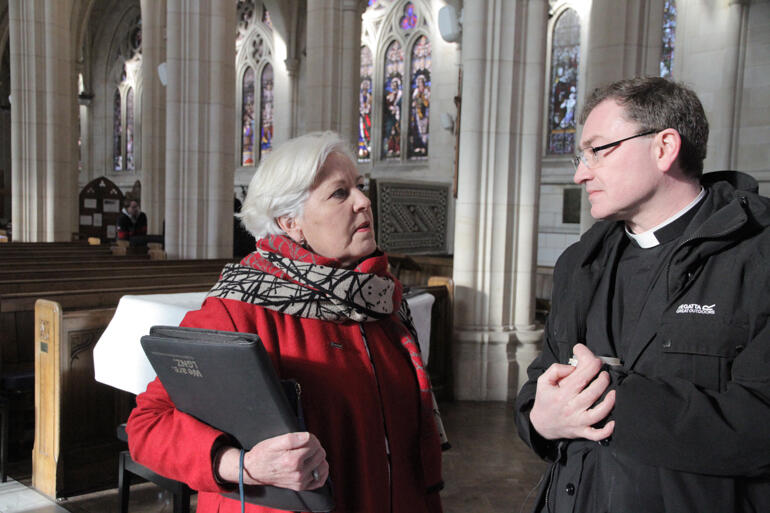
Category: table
[119,360]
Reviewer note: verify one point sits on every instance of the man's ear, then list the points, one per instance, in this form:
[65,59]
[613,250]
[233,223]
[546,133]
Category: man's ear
[291,226]
[668,144]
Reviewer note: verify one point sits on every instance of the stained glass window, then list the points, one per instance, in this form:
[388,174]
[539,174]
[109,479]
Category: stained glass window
[365,105]
[409,19]
[130,129]
[419,110]
[266,118]
[247,118]
[565,53]
[391,108]
[266,17]
[117,133]
[669,36]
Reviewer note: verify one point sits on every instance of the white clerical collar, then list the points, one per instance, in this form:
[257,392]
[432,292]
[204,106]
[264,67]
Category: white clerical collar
[648,239]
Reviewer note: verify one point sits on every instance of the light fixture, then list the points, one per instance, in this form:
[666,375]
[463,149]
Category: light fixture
[449,24]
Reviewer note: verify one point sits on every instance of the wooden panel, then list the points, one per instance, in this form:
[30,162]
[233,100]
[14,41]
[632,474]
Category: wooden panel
[76,449]
[45,452]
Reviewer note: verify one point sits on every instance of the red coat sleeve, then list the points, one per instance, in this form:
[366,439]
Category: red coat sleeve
[170,442]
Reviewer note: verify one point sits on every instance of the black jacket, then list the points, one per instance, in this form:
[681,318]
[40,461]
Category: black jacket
[692,410]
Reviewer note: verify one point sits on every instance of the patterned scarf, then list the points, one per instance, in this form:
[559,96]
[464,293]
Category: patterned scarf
[285,277]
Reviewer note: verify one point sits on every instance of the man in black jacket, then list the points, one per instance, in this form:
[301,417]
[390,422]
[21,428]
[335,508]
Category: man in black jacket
[652,393]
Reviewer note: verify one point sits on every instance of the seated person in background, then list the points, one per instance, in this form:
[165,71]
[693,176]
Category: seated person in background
[131,221]
[318,294]
[652,393]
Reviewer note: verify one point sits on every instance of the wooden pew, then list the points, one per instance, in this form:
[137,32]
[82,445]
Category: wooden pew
[129,269]
[44,261]
[98,280]
[121,267]
[75,449]
[441,330]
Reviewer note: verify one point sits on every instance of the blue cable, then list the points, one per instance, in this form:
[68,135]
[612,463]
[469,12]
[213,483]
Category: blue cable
[240,481]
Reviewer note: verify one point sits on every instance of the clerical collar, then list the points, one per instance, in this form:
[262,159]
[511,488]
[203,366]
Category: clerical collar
[669,229]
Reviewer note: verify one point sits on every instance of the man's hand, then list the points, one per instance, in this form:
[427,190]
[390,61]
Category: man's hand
[564,396]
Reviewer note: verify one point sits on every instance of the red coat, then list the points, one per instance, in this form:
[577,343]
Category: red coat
[348,406]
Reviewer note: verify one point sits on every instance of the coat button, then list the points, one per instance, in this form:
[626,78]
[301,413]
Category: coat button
[667,343]
[570,489]
[743,201]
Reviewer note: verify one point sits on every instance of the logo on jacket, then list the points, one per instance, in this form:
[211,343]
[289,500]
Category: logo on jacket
[694,308]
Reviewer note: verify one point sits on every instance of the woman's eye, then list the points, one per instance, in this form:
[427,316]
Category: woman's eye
[340,193]
[361,187]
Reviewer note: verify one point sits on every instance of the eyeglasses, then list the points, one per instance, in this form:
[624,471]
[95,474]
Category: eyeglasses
[590,156]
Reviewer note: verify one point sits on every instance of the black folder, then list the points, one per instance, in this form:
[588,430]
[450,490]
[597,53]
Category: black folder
[227,380]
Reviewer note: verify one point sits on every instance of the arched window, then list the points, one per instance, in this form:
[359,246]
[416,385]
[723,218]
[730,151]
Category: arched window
[565,53]
[365,105]
[254,52]
[419,113]
[117,133]
[391,102]
[130,129]
[669,38]
[247,118]
[266,118]
[126,78]
[395,81]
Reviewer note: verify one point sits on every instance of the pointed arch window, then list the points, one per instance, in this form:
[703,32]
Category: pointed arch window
[254,55]
[419,112]
[126,77]
[565,54]
[247,118]
[266,118]
[117,132]
[395,81]
[669,38]
[365,105]
[130,129]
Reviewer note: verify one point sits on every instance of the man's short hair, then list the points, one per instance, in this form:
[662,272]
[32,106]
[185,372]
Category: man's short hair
[656,103]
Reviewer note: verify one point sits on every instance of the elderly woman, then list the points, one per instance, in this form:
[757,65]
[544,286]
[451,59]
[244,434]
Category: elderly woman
[318,294]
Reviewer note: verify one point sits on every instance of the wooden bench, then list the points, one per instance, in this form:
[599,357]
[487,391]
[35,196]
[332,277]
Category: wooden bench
[98,280]
[128,269]
[76,449]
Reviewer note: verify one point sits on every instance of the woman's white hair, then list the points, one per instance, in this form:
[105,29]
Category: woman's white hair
[283,180]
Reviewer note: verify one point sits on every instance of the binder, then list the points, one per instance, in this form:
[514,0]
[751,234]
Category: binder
[227,380]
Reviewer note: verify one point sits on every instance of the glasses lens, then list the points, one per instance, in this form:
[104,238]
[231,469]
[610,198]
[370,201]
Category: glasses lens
[577,159]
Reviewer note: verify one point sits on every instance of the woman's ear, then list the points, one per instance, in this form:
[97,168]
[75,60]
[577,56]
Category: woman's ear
[291,226]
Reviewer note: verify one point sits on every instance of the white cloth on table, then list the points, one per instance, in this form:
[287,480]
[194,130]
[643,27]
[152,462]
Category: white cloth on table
[119,360]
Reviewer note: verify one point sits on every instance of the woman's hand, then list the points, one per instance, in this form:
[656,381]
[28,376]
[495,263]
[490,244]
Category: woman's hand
[295,461]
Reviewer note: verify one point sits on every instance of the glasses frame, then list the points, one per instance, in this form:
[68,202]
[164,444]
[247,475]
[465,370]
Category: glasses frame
[580,156]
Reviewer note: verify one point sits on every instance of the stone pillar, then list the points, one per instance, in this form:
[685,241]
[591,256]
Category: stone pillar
[153,143]
[43,111]
[200,161]
[530,140]
[500,137]
[333,66]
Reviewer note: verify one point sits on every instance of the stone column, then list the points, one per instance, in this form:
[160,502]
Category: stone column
[530,139]
[153,142]
[200,107]
[333,66]
[43,111]
[500,140]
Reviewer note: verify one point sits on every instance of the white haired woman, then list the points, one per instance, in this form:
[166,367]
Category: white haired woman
[318,294]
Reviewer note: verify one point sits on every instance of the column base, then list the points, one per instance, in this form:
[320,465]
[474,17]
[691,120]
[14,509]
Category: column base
[491,365]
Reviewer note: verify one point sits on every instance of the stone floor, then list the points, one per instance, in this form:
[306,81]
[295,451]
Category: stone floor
[488,470]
